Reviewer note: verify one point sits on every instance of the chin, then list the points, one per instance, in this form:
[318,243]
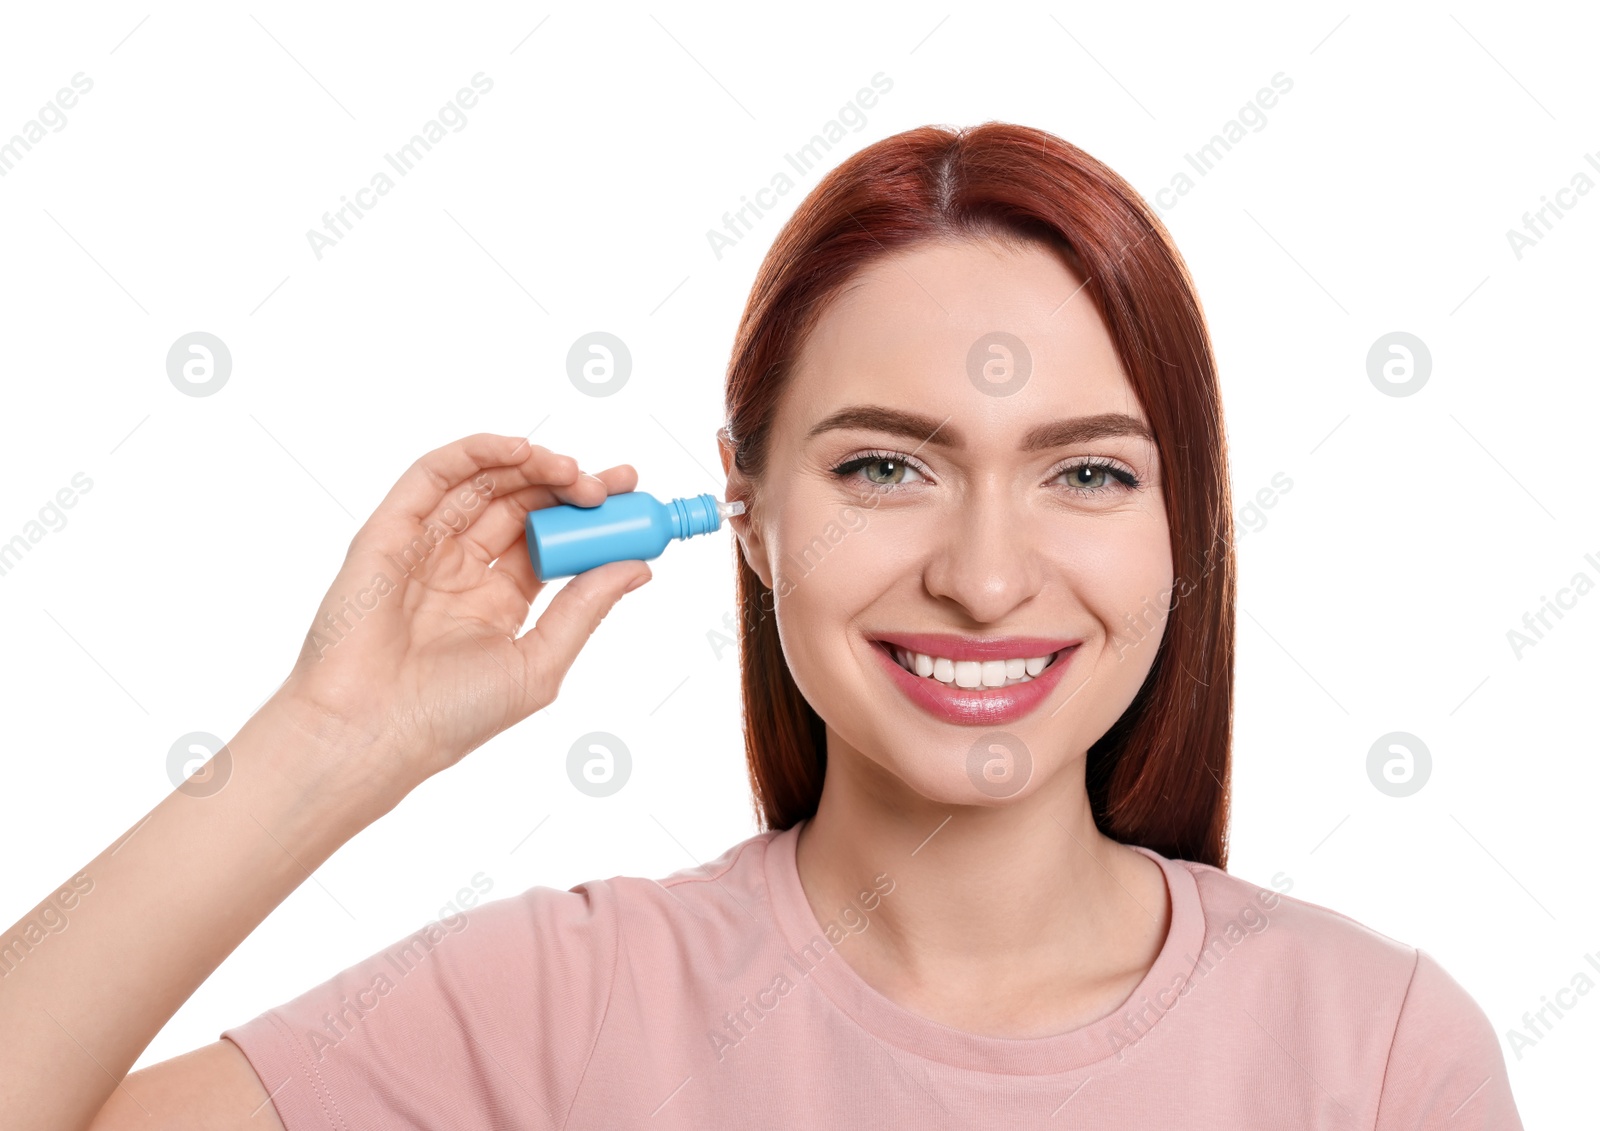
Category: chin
[966,769]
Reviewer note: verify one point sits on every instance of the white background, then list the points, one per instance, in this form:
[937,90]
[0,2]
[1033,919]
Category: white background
[1377,596]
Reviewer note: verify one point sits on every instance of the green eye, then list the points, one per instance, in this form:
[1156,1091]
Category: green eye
[1096,472]
[881,470]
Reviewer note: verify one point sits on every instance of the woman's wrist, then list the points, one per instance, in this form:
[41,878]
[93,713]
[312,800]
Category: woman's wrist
[339,780]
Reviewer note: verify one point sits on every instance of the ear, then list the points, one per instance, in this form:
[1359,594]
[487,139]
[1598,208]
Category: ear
[744,526]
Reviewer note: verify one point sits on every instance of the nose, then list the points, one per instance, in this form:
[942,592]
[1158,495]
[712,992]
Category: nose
[985,557]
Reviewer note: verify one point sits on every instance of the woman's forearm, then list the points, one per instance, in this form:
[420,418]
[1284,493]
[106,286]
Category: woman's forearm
[92,973]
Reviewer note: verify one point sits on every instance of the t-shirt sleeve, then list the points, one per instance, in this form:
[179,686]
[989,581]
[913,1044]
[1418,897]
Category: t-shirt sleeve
[1446,1070]
[485,1018]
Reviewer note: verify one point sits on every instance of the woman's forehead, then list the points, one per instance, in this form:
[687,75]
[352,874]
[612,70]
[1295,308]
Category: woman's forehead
[984,332]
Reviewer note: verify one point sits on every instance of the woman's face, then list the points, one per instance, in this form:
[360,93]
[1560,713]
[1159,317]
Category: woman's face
[952,472]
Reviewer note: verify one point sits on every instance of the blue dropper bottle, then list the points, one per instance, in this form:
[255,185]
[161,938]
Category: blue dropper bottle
[633,526]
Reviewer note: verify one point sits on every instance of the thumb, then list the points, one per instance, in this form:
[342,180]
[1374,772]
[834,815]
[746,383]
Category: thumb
[553,643]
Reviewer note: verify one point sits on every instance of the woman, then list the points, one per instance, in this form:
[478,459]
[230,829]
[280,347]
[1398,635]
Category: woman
[987,586]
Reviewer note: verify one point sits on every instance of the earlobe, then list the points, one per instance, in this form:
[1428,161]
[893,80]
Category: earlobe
[755,553]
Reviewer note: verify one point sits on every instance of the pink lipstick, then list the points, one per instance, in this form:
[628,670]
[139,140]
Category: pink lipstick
[975,706]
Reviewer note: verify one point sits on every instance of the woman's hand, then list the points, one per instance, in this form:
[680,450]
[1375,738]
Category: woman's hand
[413,659]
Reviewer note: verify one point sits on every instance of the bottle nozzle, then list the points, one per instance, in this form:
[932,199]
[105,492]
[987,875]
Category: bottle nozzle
[728,510]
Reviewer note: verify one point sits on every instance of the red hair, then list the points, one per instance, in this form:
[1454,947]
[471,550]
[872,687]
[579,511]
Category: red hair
[1158,777]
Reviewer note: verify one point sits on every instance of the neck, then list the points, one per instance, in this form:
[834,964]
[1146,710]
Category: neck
[1031,888]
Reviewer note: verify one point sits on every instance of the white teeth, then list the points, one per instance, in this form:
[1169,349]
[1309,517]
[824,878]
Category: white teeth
[969,674]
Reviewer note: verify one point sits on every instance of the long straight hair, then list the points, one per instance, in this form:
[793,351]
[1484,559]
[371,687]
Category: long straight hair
[1158,777]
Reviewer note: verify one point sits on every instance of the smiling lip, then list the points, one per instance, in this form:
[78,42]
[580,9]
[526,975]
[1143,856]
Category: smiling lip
[993,706]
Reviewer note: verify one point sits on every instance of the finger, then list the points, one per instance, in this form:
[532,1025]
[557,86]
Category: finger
[517,564]
[552,644]
[464,504]
[619,479]
[504,520]
[513,559]
[419,492]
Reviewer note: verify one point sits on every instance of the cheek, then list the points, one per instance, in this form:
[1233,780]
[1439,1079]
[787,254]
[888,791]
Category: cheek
[1124,571]
[812,552]
[830,562]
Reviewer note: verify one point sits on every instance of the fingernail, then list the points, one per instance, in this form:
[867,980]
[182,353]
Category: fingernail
[637,582]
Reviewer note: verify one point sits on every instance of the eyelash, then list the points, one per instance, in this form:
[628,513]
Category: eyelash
[1127,480]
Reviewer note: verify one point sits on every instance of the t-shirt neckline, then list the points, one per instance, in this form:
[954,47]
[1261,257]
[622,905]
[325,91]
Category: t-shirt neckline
[1076,1048]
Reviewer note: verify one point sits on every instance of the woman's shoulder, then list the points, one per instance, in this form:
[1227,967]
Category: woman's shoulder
[1380,1005]
[698,899]
[1323,951]
[1235,905]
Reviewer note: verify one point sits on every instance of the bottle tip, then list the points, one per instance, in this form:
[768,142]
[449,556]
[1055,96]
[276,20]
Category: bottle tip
[733,508]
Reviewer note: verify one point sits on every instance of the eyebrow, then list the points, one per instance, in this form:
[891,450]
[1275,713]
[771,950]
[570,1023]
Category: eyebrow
[930,430]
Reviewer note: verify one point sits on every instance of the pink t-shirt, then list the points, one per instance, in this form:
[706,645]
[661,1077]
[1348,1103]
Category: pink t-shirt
[715,999]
